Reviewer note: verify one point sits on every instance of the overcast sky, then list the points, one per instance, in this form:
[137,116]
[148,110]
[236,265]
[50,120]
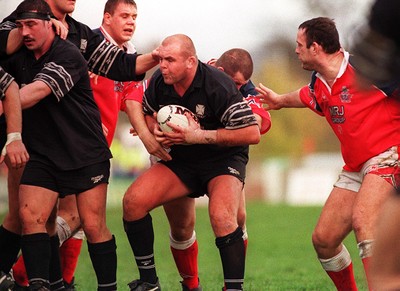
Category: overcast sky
[218,25]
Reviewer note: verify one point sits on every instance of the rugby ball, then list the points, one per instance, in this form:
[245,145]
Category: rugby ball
[174,114]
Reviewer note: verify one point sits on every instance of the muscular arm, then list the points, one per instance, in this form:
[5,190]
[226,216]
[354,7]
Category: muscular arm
[193,134]
[33,93]
[12,109]
[14,41]
[275,101]
[136,117]
[146,62]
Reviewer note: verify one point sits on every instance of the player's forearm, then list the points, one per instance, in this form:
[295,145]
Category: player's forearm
[33,93]
[225,137]
[291,100]
[136,118]
[14,41]
[144,63]
[12,109]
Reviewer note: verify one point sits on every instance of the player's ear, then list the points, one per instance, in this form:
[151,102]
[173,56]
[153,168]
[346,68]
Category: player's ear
[107,18]
[191,61]
[221,68]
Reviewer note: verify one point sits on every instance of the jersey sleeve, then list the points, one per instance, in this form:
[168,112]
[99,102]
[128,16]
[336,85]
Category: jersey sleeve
[110,61]
[133,91]
[308,98]
[5,81]
[63,72]
[5,28]
[256,107]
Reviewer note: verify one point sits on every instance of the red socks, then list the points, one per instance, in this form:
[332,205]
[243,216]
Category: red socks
[19,272]
[344,279]
[186,262]
[69,254]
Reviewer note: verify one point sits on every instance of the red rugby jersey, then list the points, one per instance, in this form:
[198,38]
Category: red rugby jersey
[108,95]
[366,122]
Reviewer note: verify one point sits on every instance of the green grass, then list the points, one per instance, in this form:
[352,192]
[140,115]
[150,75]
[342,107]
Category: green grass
[280,253]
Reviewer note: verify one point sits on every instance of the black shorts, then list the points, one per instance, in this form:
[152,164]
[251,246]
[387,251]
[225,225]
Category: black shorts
[197,175]
[65,182]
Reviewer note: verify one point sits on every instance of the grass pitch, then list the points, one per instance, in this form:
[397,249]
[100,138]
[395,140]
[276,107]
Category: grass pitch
[280,255]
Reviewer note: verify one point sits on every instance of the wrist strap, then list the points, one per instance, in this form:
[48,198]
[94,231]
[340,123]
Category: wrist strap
[13,136]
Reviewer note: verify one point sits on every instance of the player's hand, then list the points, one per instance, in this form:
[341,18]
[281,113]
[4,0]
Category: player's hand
[94,77]
[156,54]
[192,134]
[17,154]
[60,28]
[161,138]
[269,98]
[154,148]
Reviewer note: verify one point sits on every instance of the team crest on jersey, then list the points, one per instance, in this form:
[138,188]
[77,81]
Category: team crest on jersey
[118,86]
[345,95]
[200,110]
[83,45]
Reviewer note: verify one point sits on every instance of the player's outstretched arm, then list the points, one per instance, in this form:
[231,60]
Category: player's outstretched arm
[147,61]
[274,101]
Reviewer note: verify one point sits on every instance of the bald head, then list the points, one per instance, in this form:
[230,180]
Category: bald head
[182,43]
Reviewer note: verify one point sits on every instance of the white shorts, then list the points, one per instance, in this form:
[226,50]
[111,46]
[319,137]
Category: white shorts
[385,165]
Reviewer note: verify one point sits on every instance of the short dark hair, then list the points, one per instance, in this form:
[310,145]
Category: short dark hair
[111,5]
[322,30]
[236,60]
[33,9]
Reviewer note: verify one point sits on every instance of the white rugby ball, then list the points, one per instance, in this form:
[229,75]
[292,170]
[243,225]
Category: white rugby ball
[174,114]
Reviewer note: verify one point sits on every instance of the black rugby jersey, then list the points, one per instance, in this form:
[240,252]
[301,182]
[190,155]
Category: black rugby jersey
[64,128]
[217,103]
[104,58]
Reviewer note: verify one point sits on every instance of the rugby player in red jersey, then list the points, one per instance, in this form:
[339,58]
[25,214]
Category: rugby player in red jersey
[366,123]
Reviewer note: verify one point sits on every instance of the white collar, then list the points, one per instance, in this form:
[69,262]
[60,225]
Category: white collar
[128,46]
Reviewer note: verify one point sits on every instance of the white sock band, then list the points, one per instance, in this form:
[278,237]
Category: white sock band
[80,234]
[182,245]
[365,248]
[63,229]
[339,262]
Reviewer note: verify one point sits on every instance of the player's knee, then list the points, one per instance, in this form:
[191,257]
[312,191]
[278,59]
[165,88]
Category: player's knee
[223,224]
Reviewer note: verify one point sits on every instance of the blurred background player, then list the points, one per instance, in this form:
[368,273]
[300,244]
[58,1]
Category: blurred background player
[377,58]
[366,123]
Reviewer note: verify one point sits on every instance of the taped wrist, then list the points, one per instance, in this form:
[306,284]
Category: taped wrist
[13,136]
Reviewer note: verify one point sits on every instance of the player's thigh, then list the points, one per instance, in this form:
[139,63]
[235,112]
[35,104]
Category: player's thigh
[154,187]
[181,214]
[373,193]
[224,199]
[335,221]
